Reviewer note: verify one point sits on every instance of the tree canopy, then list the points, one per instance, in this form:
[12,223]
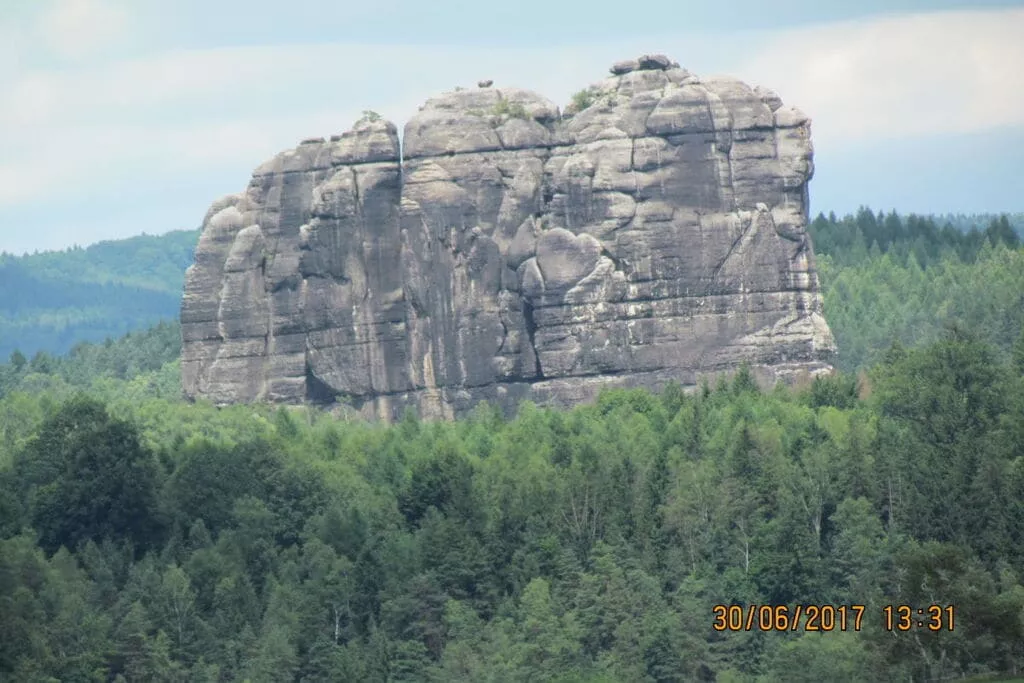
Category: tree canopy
[146,538]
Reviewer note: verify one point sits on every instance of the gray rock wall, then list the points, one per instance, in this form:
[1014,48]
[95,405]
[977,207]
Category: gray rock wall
[513,251]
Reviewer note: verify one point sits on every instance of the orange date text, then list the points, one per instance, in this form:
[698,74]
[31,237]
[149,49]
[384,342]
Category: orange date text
[787,617]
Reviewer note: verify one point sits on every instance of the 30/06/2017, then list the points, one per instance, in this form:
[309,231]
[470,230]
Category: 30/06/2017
[785,618]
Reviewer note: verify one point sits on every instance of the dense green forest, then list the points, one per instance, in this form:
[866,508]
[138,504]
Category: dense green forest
[965,222]
[888,278]
[51,301]
[143,538]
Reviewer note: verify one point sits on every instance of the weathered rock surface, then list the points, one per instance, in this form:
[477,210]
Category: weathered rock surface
[511,251]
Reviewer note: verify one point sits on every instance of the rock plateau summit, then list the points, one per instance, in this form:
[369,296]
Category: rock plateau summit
[506,250]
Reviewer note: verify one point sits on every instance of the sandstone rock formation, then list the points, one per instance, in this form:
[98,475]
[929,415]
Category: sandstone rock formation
[653,231]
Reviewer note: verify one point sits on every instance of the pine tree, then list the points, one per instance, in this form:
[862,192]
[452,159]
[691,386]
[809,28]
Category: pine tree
[1018,353]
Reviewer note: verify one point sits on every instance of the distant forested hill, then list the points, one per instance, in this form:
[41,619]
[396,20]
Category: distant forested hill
[907,279]
[964,222]
[52,301]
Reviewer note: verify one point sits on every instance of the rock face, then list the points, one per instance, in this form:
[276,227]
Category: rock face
[653,231]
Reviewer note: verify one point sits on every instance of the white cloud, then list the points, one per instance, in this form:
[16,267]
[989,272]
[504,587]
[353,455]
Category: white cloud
[85,124]
[895,76]
[128,88]
[12,46]
[227,108]
[75,29]
[69,164]
[218,79]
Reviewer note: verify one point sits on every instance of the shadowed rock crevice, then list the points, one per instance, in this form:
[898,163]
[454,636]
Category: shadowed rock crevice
[531,331]
[653,230]
[619,264]
[317,391]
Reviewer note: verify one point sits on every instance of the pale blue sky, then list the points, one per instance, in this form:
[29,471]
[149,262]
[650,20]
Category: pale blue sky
[124,116]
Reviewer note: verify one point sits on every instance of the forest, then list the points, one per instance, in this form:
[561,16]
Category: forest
[888,278]
[143,538]
[50,301]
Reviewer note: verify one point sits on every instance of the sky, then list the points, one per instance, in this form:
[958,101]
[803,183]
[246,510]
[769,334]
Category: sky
[119,117]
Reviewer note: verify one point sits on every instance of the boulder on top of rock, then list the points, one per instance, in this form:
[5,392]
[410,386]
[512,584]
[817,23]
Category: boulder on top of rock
[654,63]
[624,67]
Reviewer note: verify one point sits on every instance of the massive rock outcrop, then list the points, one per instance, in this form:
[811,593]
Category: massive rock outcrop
[653,231]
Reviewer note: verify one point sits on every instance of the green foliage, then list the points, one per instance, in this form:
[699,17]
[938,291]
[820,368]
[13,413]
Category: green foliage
[1018,353]
[86,476]
[839,391]
[848,240]
[52,301]
[582,545]
[514,110]
[156,262]
[51,629]
[144,538]
[964,222]
[819,657]
[744,380]
[370,115]
[148,356]
[887,278]
[583,99]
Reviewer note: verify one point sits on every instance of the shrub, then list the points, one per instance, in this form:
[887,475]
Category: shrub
[583,99]
[511,109]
